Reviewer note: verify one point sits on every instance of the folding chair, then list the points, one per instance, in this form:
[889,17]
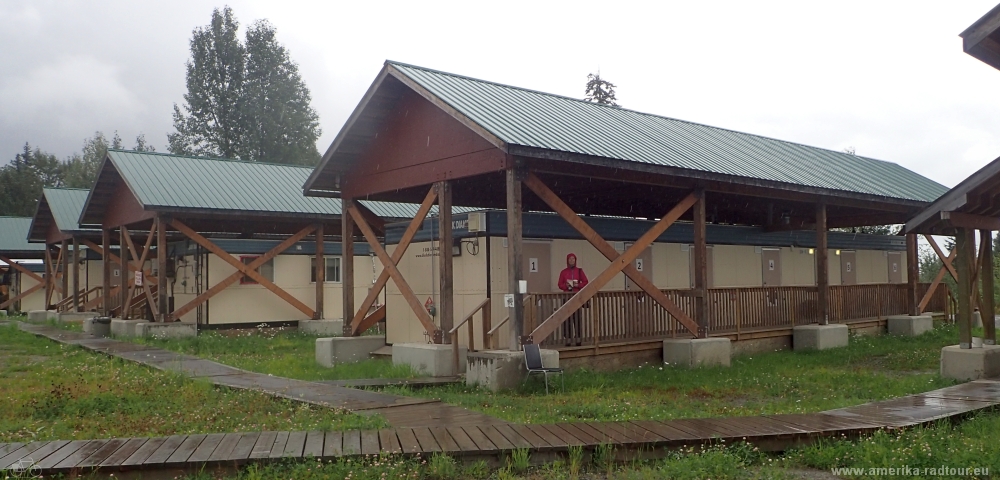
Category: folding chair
[533,362]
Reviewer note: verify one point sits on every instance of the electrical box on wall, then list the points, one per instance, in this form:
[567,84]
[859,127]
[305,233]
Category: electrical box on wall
[477,222]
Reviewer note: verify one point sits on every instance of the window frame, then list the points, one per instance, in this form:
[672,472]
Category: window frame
[246,280]
[326,279]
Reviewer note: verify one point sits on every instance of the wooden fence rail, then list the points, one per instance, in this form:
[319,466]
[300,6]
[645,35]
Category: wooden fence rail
[619,316]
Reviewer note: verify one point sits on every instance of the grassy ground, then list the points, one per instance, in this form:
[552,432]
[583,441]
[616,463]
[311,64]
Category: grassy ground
[52,391]
[280,352]
[871,368]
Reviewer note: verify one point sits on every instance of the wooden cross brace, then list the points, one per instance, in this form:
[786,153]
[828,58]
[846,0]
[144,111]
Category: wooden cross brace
[126,270]
[618,264]
[137,265]
[934,285]
[358,323]
[549,197]
[242,270]
[15,266]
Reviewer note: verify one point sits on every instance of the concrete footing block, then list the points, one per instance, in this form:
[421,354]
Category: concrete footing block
[124,328]
[42,315]
[909,326]
[75,316]
[331,351]
[434,360]
[819,337]
[697,352]
[498,370]
[166,330]
[97,328]
[970,363]
[322,327]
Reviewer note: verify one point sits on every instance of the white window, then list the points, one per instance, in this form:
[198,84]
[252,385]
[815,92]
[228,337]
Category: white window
[266,270]
[332,269]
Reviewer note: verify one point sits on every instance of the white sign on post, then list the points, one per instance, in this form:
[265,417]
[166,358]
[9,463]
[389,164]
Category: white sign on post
[138,278]
[508,300]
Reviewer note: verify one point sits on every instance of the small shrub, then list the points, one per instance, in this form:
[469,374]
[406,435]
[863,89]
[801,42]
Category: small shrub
[442,467]
[575,460]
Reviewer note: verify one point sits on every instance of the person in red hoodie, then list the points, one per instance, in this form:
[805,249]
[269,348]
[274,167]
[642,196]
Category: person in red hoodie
[572,279]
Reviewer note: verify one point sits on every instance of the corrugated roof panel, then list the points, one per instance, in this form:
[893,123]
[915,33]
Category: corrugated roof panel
[66,205]
[534,119]
[14,235]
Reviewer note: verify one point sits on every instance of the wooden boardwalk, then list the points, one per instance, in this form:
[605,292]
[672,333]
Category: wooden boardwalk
[461,437]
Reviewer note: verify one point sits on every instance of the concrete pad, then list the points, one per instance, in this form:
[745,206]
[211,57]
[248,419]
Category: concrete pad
[819,337]
[166,330]
[97,328]
[970,363]
[697,352]
[502,369]
[76,316]
[434,360]
[124,328]
[333,328]
[42,315]
[333,350]
[908,326]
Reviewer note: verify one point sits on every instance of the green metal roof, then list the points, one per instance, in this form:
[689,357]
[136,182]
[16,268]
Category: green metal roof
[173,182]
[14,237]
[66,205]
[521,117]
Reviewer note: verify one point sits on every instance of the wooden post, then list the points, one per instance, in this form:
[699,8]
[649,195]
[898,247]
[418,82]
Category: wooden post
[986,277]
[347,265]
[964,245]
[912,275]
[445,269]
[700,265]
[161,269]
[822,266]
[515,271]
[76,274]
[106,270]
[64,255]
[49,276]
[124,280]
[320,271]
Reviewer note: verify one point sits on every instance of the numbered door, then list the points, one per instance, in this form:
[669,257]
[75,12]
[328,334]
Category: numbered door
[770,259]
[709,266]
[848,268]
[895,267]
[644,264]
[537,266]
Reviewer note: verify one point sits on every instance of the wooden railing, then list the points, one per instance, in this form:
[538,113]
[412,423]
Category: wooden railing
[84,297]
[453,333]
[619,316]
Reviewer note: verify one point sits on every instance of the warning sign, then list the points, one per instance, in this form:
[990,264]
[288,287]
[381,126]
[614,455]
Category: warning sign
[138,279]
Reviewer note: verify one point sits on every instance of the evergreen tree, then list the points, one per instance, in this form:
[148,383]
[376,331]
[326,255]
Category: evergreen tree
[600,90]
[22,179]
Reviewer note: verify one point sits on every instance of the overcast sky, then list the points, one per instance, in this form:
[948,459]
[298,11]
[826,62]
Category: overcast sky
[887,78]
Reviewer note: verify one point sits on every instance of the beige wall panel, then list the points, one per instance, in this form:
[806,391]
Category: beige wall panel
[798,267]
[873,267]
[35,301]
[670,266]
[833,267]
[736,266]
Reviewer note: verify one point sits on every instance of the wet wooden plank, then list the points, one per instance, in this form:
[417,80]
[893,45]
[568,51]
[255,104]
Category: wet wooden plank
[408,441]
[583,436]
[444,440]
[185,450]
[427,442]
[462,439]
[388,441]
[369,442]
[61,454]
[206,448]
[568,438]
[244,447]
[9,447]
[165,449]
[352,442]
[333,444]
[610,435]
[769,426]
[512,436]
[546,435]
[106,450]
[295,446]
[20,453]
[38,455]
[496,438]
[225,448]
[278,447]
[666,431]
[483,443]
[701,429]
[265,442]
[314,444]
[530,436]
[80,455]
[124,452]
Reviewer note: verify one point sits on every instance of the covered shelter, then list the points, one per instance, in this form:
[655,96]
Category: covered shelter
[420,135]
[143,200]
[24,286]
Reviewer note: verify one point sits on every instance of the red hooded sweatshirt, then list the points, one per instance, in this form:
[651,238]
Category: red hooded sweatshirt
[572,273]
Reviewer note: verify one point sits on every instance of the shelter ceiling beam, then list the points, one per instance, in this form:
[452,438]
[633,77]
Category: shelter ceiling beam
[576,301]
[967,220]
[242,269]
[357,323]
[552,200]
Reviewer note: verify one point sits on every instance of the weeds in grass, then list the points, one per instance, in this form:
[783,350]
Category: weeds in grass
[442,467]
[575,460]
[604,457]
[520,460]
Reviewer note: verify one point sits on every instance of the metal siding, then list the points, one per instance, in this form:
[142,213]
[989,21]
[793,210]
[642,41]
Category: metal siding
[533,119]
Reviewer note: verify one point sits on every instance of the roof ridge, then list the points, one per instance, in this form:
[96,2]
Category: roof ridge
[66,188]
[11,216]
[789,142]
[217,159]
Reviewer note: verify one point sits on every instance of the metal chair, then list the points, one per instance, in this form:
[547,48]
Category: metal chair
[533,363]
